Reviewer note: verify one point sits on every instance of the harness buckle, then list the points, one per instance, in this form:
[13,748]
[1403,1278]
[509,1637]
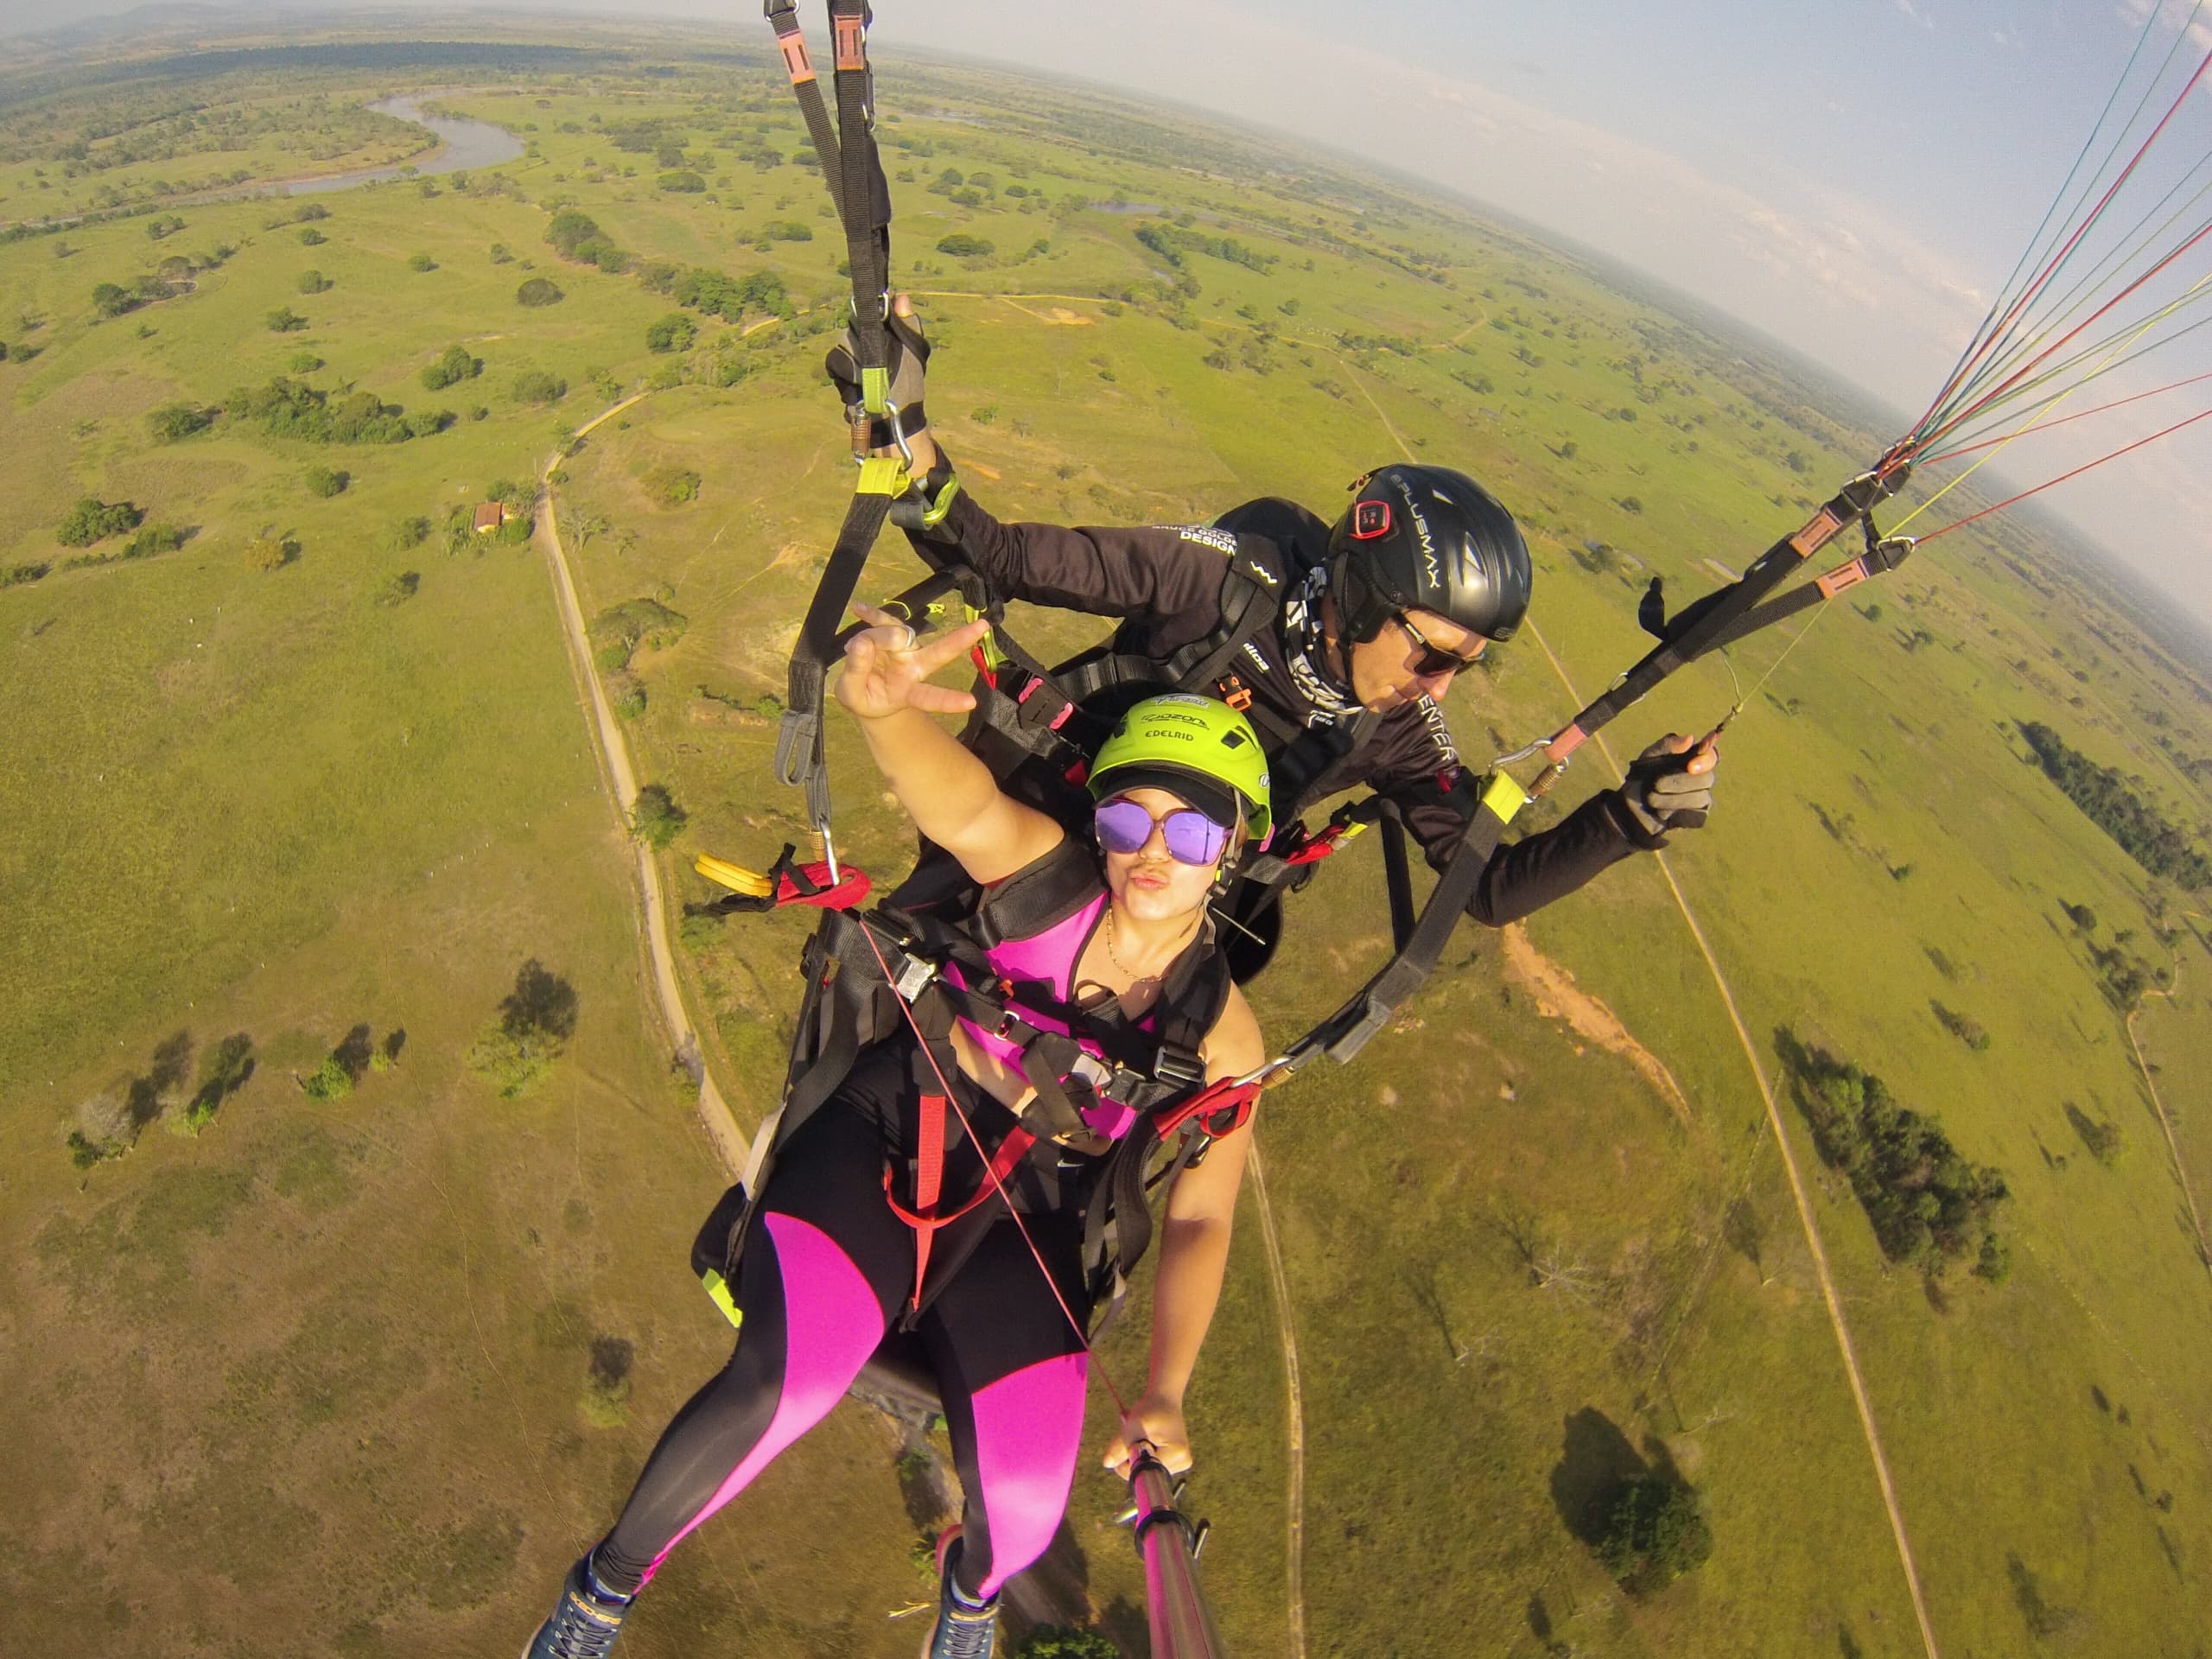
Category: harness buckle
[1235,693]
[914,976]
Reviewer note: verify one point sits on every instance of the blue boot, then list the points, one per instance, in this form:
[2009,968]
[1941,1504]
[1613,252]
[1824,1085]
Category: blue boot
[585,1622]
[965,1629]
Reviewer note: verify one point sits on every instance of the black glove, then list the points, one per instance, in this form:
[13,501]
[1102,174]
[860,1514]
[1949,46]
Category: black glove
[909,356]
[1663,795]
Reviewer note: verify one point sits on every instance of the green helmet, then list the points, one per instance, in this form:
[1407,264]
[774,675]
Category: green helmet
[1198,748]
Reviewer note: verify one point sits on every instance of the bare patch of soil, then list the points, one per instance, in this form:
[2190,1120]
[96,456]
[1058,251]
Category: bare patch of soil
[1559,998]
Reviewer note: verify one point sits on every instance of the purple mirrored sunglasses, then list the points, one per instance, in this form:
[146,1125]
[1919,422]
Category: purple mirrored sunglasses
[1124,826]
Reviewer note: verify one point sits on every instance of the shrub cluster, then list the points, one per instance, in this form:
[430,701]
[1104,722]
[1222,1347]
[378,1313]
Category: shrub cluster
[2103,794]
[290,408]
[537,386]
[576,236]
[92,520]
[1928,1205]
[173,422]
[1172,242]
[452,366]
[618,632]
[729,297]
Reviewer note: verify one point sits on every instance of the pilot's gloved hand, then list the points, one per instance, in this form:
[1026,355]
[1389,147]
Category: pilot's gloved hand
[909,355]
[1669,785]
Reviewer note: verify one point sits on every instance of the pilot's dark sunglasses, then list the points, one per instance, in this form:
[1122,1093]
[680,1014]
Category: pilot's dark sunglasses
[1434,659]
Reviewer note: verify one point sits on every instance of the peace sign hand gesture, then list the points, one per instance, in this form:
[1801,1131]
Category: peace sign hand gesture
[887,667]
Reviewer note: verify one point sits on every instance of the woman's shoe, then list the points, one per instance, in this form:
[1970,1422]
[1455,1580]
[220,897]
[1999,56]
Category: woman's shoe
[585,1621]
[964,1630]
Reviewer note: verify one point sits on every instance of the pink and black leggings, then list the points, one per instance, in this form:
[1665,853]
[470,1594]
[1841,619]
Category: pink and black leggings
[826,1269]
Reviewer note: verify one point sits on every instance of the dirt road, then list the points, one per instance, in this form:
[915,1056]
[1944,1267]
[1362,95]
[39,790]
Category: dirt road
[714,1115]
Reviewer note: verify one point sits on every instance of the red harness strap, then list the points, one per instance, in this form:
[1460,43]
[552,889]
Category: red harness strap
[928,1183]
[1218,1109]
[851,887]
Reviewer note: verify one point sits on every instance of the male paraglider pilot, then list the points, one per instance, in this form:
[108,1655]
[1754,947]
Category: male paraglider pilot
[1338,643]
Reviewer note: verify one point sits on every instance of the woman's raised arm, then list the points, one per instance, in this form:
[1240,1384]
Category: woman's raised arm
[950,794]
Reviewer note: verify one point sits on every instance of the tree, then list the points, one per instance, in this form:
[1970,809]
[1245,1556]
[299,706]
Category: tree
[173,422]
[537,386]
[421,262]
[1655,1532]
[673,333]
[312,282]
[961,246]
[536,1021]
[223,1072]
[454,366]
[538,291]
[92,520]
[657,819]
[569,230]
[270,550]
[328,1081]
[683,182]
[285,320]
[326,482]
[311,237]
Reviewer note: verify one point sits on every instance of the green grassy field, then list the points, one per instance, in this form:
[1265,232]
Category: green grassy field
[265,801]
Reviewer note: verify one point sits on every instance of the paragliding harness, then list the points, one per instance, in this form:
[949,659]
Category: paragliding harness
[870,974]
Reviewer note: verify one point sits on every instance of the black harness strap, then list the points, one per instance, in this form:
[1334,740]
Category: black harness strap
[1706,624]
[783,17]
[1880,557]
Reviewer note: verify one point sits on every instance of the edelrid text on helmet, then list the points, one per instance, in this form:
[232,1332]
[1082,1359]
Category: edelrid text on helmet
[1194,746]
[1427,538]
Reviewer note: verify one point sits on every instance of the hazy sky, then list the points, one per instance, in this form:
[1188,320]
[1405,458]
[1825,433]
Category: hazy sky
[1855,178]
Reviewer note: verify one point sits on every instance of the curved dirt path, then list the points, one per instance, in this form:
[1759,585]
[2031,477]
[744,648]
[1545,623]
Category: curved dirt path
[614,750]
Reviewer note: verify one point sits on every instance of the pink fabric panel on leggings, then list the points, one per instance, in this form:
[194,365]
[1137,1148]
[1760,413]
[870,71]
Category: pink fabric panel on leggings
[1028,1429]
[832,1324]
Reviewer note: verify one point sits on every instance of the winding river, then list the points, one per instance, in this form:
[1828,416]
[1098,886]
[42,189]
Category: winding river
[462,144]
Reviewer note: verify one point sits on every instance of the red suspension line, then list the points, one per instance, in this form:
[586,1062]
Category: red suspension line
[2062,477]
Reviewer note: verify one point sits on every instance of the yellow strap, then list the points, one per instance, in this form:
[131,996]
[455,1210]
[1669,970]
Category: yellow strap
[1503,796]
[883,475]
[718,1292]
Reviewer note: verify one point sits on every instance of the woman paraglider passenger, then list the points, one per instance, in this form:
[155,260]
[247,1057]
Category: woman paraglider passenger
[1102,941]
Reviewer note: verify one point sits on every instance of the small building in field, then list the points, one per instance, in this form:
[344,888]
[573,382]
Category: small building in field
[489,517]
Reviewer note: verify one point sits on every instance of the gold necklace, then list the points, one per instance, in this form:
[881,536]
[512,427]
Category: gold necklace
[1114,955]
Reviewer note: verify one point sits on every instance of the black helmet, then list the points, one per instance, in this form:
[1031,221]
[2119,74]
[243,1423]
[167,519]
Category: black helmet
[1427,538]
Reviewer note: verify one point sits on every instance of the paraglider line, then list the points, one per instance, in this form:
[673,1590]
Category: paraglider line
[2062,477]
